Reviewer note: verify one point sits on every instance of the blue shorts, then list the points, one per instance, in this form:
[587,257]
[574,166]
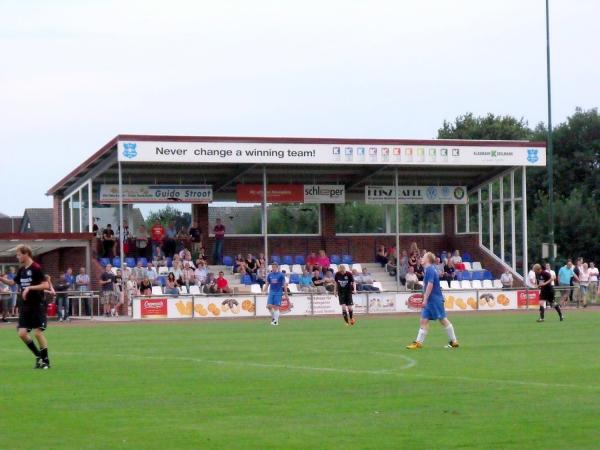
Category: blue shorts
[434,311]
[274,298]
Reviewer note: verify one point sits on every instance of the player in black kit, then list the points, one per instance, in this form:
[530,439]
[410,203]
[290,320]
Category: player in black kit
[344,288]
[32,313]
[544,280]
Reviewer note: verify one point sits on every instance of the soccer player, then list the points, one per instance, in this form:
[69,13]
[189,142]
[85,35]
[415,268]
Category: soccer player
[275,284]
[544,282]
[344,287]
[32,314]
[433,305]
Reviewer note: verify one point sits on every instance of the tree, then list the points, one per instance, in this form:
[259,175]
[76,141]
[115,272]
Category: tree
[167,215]
[489,127]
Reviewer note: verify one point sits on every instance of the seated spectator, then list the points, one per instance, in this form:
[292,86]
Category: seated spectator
[171,287]
[439,267]
[506,279]
[151,273]
[318,282]
[329,281]
[139,272]
[146,286]
[188,277]
[306,282]
[201,273]
[456,259]
[412,282]
[382,255]
[177,270]
[202,254]
[126,271]
[239,260]
[188,259]
[364,281]
[420,272]
[323,261]
[312,261]
[251,265]
[222,285]
[261,260]
[261,277]
[449,271]
[210,287]
[159,259]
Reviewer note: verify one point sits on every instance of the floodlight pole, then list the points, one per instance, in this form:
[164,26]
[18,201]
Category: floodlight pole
[264,221]
[397,229]
[121,231]
[549,143]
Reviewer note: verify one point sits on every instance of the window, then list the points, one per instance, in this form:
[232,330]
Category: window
[356,217]
[416,219]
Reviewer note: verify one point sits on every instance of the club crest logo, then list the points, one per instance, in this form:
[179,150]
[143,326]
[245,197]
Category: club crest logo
[459,193]
[129,150]
[532,155]
[431,192]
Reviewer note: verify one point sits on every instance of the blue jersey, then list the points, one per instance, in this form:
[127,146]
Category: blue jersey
[564,275]
[276,280]
[431,276]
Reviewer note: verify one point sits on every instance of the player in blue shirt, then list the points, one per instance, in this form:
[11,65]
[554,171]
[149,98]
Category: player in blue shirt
[433,305]
[275,284]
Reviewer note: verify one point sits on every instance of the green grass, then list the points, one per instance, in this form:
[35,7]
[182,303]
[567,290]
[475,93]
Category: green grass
[310,383]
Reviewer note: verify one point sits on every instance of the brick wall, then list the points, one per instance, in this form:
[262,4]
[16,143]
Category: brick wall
[57,213]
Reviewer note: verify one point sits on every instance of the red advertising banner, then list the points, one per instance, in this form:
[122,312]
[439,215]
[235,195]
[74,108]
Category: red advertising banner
[276,193]
[534,299]
[154,308]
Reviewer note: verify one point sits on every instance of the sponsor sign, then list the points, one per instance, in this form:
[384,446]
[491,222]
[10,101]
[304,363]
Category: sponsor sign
[326,304]
[320,154]
[291,193]
[295,305]
[139,193]
[382,302]
[534,299]
[416,194]
[153,308]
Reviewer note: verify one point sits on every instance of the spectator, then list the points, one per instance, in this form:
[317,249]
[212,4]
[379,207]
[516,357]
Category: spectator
[412,282]
[126,271]
[5,296]
[211,284]
[195,233]
[391,267]
[158,258]
[312,261]
[182,239]
[157,235]
[187,258]
[552,273]
[456,259]
[531,278]
[306,283]
[449,271]
[323,262]
[188,277]
[171,285]
[12,273]
[219,231]
[222,285]
[593,282]
[364,281]
[141,242]
[506,279]
[565,280]
[82,283]
[251,265]
[201,273]
[151,273]
[177,271]
[70,279]
[108,241]
[61,288]
[420,271]
[318,282]
[584,283]
[261,277]
[119,293]
[575,279]
[261,262]
[145,286]
[239,260]
[139,272]
[382,255]
[126,237]
[439,267]
[131,288]
[170,240]
[107,289]
[329,281]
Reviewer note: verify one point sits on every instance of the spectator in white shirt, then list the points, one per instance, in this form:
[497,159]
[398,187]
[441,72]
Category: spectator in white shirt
[412,281]
[151,273]
[506,279]
[584,282]
[531,279]
[201,273]
[593,281]
[552,273]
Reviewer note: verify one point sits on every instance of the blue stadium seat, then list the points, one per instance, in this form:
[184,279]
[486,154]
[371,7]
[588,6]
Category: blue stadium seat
[477,275]
[162,280]
[227,261]
[467,275]
[487,275]
[169,261]
[295,278]
[144,261]
[347,259]
[287,259]
[459,276]
[299,259]
[466,257]
[104,262]
[247,280]
[130,262]
[276,258]
[335,259]
[116,261]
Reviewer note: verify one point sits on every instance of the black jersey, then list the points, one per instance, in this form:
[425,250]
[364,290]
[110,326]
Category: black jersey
[547,291]
[344,282]
[31,276]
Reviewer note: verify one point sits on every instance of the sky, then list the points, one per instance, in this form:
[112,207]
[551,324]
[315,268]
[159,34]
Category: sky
[74,74]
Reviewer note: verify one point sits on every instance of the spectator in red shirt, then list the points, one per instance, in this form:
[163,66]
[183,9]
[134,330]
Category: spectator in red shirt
[157,234]
[222,285]
[219,231]
[311,262]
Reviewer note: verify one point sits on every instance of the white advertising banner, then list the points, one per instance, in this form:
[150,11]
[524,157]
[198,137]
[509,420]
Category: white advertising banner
[416,194]
[140,193]
[307,153]
[324,193]
[294,305]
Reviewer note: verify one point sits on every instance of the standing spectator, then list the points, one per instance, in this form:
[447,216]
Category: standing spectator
[531,278]
[82,283]
[584,283]
[170,240]
[157,234]
[12,273]
[127,238]
[552,273]
[382,255]
[108,241]
[195,233]
[593,282]
[70,279]
[131,288]
[141,242]
[139,272]
[182,239]
[222,285]
[219,231]
[119,293]
[107,289]
[575,291]
[62,300]
[565,278]
[506,279]
[5,295]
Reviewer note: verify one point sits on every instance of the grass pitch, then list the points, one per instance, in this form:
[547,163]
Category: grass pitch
[309,383]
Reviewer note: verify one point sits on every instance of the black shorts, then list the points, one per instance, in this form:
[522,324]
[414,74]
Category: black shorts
[547,297]
[345,298]
[32,318]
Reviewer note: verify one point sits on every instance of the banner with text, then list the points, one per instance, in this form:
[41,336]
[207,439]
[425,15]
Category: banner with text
[323,154]
[140,193]
[432,195]
[291,193]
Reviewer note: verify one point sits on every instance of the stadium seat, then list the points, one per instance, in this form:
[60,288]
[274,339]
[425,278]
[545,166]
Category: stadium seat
[227,261]
[162,280]
[130,262]
[285,267]
[293,288]
[276,258]
[299,259]
[195,290]
[287,259]
[157,290]
[465,284]
[169,261]
[246,280]
[116,261]
[467,275]
[487,284]
[347,259]
[378,285]
[476,265]
[466,257]
[476,284]
[454,284]
[487,275]
[144,261]
[104,262]
[497,284]
[357,266]
[162,270]
[297,268]
[333,267]
[335,259]
[460,276]
[183,290]
[295,278]
[477,275]
[467,265]
[443,284]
